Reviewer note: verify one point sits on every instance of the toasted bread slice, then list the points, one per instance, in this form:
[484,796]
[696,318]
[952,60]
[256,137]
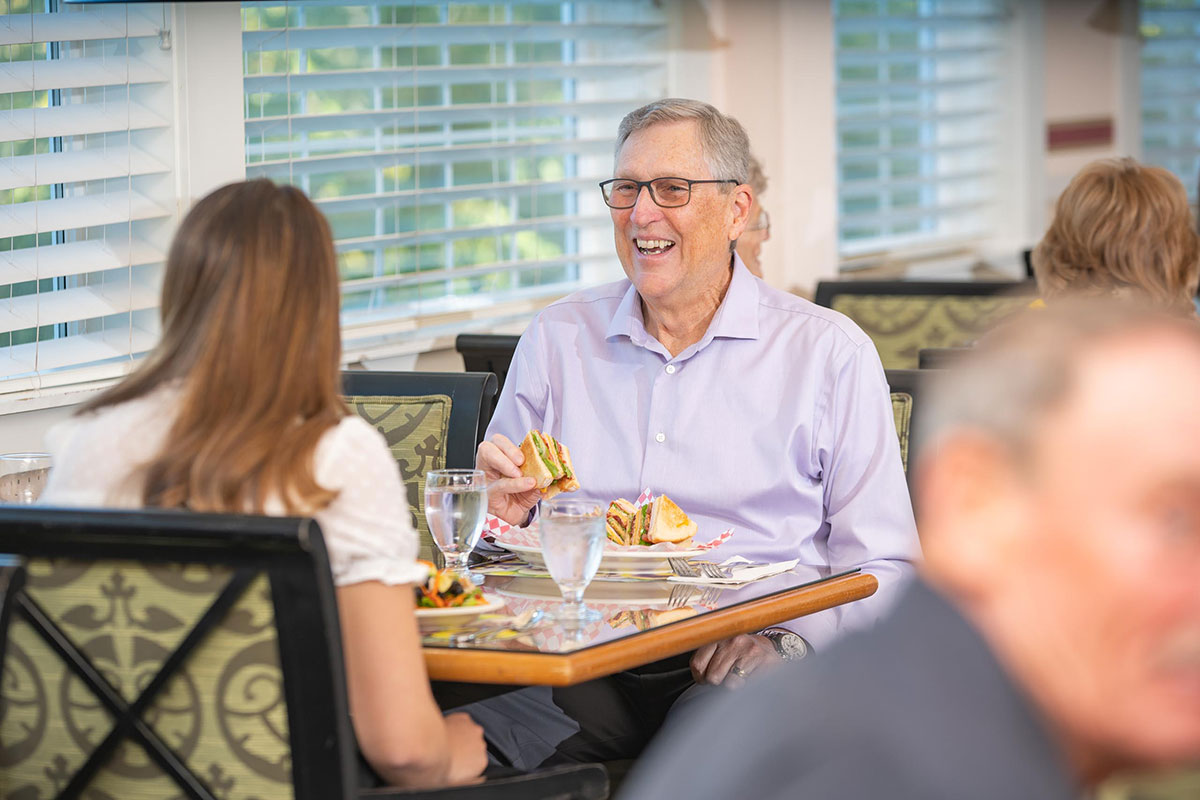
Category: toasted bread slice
[619,520]
[668,523]
[538,462]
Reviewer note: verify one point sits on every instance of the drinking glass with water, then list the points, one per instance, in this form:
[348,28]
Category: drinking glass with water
[23,476]
[455,508]
[572,537]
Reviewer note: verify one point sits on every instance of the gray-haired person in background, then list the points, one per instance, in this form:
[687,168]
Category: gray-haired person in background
[1054,637]
[758,229]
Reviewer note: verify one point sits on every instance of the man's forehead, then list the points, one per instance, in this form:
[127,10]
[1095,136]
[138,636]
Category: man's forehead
[1136,394]
[664,149]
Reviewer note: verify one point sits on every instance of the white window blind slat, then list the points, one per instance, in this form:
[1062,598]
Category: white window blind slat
[80,165]
[425,35]
[920,92]
[47,75]
[74,258]
[95,350]
[117,116]
[70,305]
[452,155]
[94,24]
[1170,87]
[87,211]
[455,148]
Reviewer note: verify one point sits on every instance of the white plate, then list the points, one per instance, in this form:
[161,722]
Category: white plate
[631,560]
[429,618]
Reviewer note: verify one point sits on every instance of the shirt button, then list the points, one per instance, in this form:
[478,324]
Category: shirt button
[660,437]
[670,369]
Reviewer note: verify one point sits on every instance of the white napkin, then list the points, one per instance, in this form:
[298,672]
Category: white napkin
[740,574]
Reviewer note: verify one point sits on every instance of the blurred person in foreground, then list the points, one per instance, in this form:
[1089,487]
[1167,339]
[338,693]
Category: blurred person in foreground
[758,229]
[239,409]
[751,408]
[1054,636]
[1121,229]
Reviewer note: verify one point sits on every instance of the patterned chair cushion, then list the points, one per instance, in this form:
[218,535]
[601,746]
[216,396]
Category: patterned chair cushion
[900,325]
[416,431]
[222,712]
[902,407]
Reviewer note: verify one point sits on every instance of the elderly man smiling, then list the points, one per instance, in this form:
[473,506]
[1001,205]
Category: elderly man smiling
[751,408]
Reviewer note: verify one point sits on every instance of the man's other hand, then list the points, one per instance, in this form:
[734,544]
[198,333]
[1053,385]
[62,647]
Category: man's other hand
[732,661]
[510,494]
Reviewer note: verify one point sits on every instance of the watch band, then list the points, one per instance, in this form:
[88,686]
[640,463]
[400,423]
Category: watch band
[790,646]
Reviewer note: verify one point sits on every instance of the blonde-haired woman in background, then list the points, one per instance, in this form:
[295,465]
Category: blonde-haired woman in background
[1121,228]
[238,409]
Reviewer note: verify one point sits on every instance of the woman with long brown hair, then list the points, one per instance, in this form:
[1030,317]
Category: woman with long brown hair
[1121,229]
[238,410]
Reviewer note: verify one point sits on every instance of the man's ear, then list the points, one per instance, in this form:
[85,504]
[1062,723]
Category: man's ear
[742,200]
[976,511]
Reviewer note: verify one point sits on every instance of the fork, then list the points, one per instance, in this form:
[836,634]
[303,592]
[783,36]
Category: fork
[681,593]
[683,568]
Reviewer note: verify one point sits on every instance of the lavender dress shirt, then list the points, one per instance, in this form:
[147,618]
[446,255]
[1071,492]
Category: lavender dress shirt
[777,423]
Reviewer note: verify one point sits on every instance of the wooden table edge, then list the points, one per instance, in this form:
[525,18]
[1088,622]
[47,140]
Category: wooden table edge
[549,669]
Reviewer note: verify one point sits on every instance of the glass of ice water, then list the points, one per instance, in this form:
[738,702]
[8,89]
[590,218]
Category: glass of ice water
[572,536]
[23,476]
[455,507]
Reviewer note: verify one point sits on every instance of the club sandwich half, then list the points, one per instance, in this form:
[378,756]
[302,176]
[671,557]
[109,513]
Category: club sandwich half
[548,461]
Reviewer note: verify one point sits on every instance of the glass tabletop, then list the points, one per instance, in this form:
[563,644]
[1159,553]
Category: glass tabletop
[627,609]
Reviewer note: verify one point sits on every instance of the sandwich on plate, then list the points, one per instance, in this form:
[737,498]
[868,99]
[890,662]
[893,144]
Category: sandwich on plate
[658,521]
[548,461]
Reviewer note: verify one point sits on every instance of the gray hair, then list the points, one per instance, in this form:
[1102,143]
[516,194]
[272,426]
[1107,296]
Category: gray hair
[1027,367]
[723,139]
[756,177]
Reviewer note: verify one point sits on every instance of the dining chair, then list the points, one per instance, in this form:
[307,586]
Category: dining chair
[431,420]
[940,357]
[901,317]
[171,654]
[487,352]
[905,386]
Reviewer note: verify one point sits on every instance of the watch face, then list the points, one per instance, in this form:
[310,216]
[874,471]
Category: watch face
[791,646]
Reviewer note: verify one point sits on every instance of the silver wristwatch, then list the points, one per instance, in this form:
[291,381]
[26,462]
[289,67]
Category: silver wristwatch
[790,646]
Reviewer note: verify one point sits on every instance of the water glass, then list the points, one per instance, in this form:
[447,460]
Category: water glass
[455,508]
[572,538]
[23,476]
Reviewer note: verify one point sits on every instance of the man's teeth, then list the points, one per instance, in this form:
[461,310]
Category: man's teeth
[654,245]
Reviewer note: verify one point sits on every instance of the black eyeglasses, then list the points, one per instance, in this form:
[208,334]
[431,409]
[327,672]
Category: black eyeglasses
[665,192]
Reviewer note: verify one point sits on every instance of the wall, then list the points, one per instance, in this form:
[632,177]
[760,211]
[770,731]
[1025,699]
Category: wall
[1091,71]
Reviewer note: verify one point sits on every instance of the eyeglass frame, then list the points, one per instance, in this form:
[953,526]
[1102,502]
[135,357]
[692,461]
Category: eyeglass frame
[650,188]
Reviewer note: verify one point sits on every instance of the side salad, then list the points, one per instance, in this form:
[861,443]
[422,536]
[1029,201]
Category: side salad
[443,588]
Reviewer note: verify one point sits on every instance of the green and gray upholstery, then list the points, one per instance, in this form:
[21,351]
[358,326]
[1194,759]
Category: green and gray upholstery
[431,420]
[164,654]
[903,317]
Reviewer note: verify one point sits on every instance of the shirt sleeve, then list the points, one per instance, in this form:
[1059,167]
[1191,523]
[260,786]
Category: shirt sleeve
[367,528]
[526,392]
[866,500]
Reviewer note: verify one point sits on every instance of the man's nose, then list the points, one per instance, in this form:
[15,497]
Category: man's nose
[644,208]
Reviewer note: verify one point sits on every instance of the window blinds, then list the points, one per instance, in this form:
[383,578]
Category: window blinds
[919,92]
[87,194]
[454,147]
[1171,87]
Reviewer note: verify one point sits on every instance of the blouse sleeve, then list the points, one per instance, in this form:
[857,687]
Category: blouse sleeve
[367,528]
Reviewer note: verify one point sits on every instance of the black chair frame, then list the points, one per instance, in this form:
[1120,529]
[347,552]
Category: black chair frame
[940,357]
[292,554]
[828,290]
[471,395]
[488,352]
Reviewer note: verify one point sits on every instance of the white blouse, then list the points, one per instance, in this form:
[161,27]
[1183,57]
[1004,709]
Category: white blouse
[367,528]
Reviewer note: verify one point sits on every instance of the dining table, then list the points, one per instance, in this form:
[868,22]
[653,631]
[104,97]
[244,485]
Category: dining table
[640,622]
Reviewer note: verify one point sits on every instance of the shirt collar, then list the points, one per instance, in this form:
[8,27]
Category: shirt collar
[736,318]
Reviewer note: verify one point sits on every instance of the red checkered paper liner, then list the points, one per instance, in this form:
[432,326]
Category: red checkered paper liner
[501,532]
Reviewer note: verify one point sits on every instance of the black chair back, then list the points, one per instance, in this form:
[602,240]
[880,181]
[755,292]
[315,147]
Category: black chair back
[940,357]
[487,352]
[170,654]
[905,386]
